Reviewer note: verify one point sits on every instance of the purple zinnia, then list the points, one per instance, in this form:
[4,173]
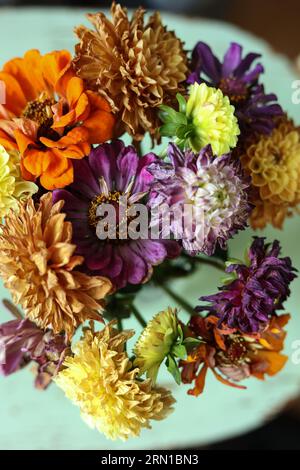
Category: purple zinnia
[21,342]
[211,192]
[258,290]
[255,109]
[109,172]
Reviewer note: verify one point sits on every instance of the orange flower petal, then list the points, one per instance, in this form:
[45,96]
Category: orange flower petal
[26,174]
[199,382]
[55,64]
[15,98]
[100,125]
[23,141]
[49,182]
[75,89]
[98,102]
[57,166]
[75,136]
[227,382]
[82,108]
[36,161]
[7,142]
[65,120]
[21,69]
[76,152]
[62,83]
[274,360]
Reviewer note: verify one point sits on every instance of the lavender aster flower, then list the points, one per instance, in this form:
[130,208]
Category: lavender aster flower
[21,342]
[211,193]
[257,292]
[110,171]
[255,109]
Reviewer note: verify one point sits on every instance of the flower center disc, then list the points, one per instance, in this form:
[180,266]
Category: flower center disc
[235,89]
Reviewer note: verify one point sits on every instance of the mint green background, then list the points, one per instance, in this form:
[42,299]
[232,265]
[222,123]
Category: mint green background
[30,419]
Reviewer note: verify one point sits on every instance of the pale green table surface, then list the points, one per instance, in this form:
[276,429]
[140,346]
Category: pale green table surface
[30,419]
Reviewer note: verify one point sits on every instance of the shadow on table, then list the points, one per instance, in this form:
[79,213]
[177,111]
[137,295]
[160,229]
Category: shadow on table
[282,433]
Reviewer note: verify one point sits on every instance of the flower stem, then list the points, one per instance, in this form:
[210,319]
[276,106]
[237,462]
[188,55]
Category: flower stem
[120,324]
[218,264]
[138,316]
[138,146]
[183,303]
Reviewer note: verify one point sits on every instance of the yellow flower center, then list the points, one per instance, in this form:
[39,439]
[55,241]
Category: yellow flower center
[40,110]
[120,229]
[112,198]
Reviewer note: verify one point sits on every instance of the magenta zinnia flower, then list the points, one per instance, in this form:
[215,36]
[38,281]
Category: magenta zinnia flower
[255,109]
[212,193]
[258,290]
[110,171]
[21,342]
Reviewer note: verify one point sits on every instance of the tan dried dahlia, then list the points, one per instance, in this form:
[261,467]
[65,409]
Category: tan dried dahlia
[274,166]
[135,66]
[37,265]
[99,379]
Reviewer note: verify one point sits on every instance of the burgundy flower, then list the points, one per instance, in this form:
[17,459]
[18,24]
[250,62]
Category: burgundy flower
[21,342]
[257,292]
[255,109]
[110,171]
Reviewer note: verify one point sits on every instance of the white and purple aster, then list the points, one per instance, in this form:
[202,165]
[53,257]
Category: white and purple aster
[211,193]
[110,171]
[258,291]
[256,111]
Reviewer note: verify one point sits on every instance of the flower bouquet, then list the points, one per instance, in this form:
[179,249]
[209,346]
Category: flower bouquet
[88,221]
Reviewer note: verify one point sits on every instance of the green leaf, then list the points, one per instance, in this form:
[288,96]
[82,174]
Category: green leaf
[173,369]
[178,350]
[182,103]
[180,333]
[166,113]
[191,341]
[231,261]
[169,129]
[229,278]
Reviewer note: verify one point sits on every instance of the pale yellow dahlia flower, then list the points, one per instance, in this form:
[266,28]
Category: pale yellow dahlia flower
[99,379]
[156,341]
[213,119]
[12,186]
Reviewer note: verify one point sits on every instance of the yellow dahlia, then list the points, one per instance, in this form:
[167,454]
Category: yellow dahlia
[156,341]
[99,379]
[274,166]
[135,65]
[37,264]
[212,119]
[12,186]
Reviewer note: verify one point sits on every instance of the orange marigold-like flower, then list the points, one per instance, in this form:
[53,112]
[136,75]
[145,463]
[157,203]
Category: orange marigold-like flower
[136,66]
[233,356]
[50,117]
[37,264]
[273,163]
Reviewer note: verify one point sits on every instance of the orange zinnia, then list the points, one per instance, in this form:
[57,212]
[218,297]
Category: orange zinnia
[50,117]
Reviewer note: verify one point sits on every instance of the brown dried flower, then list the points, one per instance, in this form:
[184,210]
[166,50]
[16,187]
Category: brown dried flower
[37,265]
[135,66]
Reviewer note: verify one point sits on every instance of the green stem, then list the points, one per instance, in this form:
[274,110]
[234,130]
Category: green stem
[218,264]
[138,146]
[138,316]
[120,324]
[179,300]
